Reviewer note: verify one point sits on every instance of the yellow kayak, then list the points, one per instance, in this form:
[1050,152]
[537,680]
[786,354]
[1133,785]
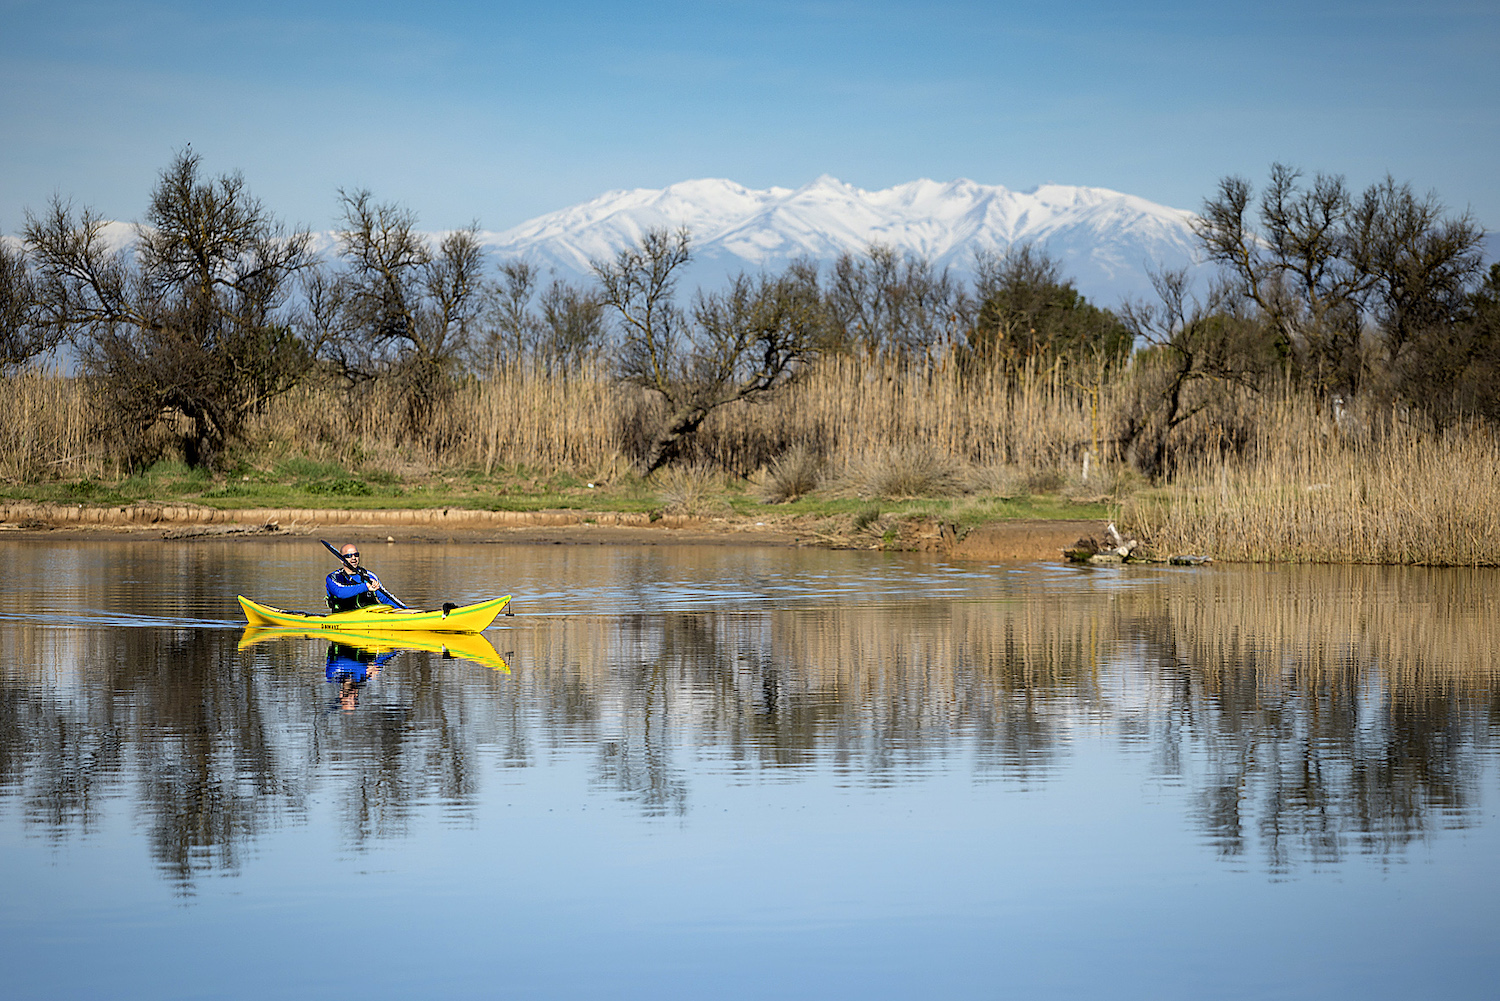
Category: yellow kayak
[379,618]
[469,646]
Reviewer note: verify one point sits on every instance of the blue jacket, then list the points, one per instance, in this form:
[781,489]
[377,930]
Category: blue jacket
[347,589]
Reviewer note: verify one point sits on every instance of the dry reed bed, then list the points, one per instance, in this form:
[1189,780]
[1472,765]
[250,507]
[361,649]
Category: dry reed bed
[845,409]
[1300,487]
[1311,490]
[47,430]
[848,409]
[515,417]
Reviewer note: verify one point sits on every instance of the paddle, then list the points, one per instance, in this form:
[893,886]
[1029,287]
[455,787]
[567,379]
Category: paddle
[364,573]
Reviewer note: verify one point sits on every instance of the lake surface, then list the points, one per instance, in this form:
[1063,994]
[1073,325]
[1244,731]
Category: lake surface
[731,772]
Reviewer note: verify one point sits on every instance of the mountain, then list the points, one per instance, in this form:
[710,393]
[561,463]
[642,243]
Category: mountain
[1104,239]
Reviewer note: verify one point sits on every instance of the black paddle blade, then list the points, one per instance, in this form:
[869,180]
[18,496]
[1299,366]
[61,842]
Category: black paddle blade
[335,552]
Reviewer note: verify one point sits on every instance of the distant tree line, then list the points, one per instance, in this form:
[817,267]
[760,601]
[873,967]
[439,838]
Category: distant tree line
[217,308]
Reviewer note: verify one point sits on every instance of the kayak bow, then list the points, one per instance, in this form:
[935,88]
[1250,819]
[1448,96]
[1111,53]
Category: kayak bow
[460,619]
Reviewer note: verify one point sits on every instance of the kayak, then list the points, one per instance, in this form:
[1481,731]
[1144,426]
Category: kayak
[468,646]
[380,618]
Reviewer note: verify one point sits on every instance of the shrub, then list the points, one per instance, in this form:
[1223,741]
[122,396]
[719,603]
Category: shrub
[904,472]
[339,487]
[1006,482]
[795,472]
[692,489]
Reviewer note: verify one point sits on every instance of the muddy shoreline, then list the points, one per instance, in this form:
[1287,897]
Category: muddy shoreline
[1009,540]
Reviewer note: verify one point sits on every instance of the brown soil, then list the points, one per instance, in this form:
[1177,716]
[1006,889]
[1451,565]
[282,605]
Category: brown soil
[1010,540]
[1022,540]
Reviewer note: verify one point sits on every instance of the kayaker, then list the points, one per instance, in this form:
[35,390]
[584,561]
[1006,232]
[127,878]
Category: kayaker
[352,586]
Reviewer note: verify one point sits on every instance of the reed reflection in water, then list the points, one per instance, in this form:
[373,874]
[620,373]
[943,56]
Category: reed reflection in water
[1293,721]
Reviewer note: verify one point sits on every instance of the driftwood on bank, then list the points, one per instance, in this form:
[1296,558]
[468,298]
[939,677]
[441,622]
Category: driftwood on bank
[1118,548]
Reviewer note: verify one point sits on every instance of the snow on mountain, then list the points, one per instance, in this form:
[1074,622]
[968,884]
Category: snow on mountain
[115,236]
[1104,239]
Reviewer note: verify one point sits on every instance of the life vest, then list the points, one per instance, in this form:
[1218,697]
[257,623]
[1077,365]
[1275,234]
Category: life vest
[346,580]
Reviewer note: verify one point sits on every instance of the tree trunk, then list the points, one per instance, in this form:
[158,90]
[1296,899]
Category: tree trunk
[668,441]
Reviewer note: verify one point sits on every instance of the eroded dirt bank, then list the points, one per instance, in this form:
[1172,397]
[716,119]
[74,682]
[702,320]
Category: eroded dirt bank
[1018,540]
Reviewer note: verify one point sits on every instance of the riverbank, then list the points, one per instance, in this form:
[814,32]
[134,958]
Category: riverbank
[1030,539]
[1281,480]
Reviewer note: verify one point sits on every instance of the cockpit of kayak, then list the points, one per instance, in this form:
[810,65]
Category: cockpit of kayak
[450,618]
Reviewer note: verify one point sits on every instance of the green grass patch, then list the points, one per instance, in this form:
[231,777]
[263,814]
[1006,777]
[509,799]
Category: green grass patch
[88,492]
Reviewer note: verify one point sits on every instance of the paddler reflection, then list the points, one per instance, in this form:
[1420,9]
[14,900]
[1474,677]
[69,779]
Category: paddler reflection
[351,668]
[356,658]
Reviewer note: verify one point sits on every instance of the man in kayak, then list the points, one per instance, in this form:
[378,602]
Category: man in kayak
[352,586]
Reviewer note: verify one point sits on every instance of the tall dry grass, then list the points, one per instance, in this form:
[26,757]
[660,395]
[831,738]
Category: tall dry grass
[514,416]
[845,410]
[848,412]
[849,409]
[1261,477]
[1363,487]
[47,430]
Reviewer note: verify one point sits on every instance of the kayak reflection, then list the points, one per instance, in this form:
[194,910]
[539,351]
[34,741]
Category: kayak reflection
[375,648]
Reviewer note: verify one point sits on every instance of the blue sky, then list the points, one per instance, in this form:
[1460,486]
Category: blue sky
[498,112]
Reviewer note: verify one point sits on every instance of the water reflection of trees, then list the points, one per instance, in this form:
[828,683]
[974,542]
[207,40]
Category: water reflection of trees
[214,747]
[1338,709]
[1310,713]
[175,715]
[1312,772]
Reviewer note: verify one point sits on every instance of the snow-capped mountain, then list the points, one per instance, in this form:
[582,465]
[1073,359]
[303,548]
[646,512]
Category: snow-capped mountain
[1104,239]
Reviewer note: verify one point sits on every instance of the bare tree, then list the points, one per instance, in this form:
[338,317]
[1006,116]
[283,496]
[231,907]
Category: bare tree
[639,285]
[557,329]
[1328,270]
[1296,267]
[510,328]
[404,311]
[196,323]
[573,325]
[1188,343]
[1422,265]
[738,344]
[23,333]
[885,301]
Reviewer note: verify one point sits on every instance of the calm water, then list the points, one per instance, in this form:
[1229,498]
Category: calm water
[747,773]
